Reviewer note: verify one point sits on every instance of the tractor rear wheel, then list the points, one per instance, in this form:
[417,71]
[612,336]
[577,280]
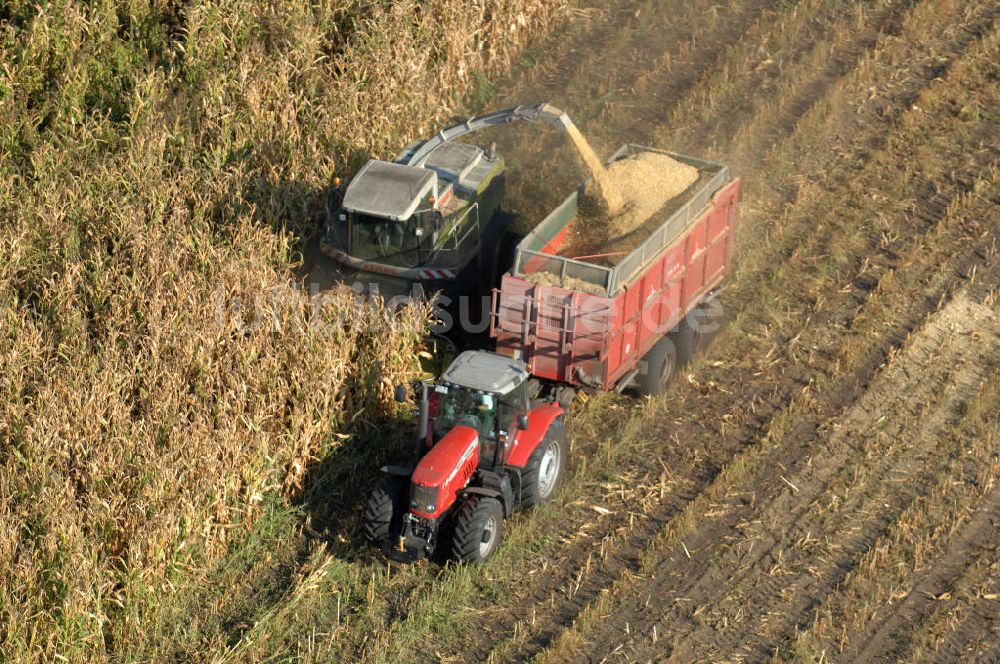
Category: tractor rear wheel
[478,529]
[546,466]
[380,509]
[661,364]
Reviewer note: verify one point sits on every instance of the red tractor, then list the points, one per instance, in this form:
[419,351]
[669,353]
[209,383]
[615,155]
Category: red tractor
[482,451]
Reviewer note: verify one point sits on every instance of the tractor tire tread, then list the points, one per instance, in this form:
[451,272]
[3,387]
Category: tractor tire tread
[469,522]
[379,509]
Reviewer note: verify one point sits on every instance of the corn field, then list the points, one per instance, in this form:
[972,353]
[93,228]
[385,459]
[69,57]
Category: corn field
[165,375]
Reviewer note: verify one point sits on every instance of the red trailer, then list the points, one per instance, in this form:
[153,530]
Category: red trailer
[611,326]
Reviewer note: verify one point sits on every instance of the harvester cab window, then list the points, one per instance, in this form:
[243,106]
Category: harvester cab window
[387,241]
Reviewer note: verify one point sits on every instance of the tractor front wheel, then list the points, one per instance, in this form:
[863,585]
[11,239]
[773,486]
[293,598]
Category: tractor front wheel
[478,529]
[546,466]
[380,509]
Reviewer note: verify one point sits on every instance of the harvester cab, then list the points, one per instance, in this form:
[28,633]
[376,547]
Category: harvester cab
[482,451]
[430,220]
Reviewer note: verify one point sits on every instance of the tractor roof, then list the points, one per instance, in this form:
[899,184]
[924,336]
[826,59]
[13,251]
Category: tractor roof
[387,189]
[489,372]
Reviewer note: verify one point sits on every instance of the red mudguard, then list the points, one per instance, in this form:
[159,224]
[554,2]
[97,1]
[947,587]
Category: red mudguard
[540,419]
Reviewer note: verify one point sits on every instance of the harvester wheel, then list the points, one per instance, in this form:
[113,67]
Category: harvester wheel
[379,509]
[661,364]
[478,529]
[546,466]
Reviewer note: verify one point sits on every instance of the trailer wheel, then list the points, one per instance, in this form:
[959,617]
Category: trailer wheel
[661,365]
[691,339]
[546,466]
[478,529]
[380,509]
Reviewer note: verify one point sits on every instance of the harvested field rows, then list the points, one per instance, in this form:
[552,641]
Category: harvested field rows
[577,577]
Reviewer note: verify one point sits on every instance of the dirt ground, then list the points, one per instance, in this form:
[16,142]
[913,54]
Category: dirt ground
[822,485]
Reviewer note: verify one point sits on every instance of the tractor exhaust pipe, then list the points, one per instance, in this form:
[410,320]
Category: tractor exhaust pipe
[424,420]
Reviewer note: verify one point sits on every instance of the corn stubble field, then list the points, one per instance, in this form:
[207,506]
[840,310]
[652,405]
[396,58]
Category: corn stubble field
[821,485]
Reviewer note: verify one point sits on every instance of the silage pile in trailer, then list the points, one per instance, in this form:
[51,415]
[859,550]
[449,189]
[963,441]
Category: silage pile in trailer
[645,183]
[162,376]
[607,228]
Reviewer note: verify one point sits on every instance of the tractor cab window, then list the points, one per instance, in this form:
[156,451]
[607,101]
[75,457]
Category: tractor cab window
[400,243]
[471,408]
[512,404]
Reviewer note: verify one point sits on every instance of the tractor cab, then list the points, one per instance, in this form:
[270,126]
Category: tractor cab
[485,392]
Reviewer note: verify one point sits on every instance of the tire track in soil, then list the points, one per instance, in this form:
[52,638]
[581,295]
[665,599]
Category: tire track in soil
[889,96]
[826,48]
[974,544]
[968,625]
[939,543]
[747,84]
[586,71]
[671,506]
[779,604]
[695,56]
[967,642]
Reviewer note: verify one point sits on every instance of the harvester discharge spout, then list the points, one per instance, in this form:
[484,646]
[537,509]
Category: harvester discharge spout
[536,112]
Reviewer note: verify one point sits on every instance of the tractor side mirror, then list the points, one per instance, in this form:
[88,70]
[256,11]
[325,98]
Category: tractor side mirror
[522,422]
[399,394]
